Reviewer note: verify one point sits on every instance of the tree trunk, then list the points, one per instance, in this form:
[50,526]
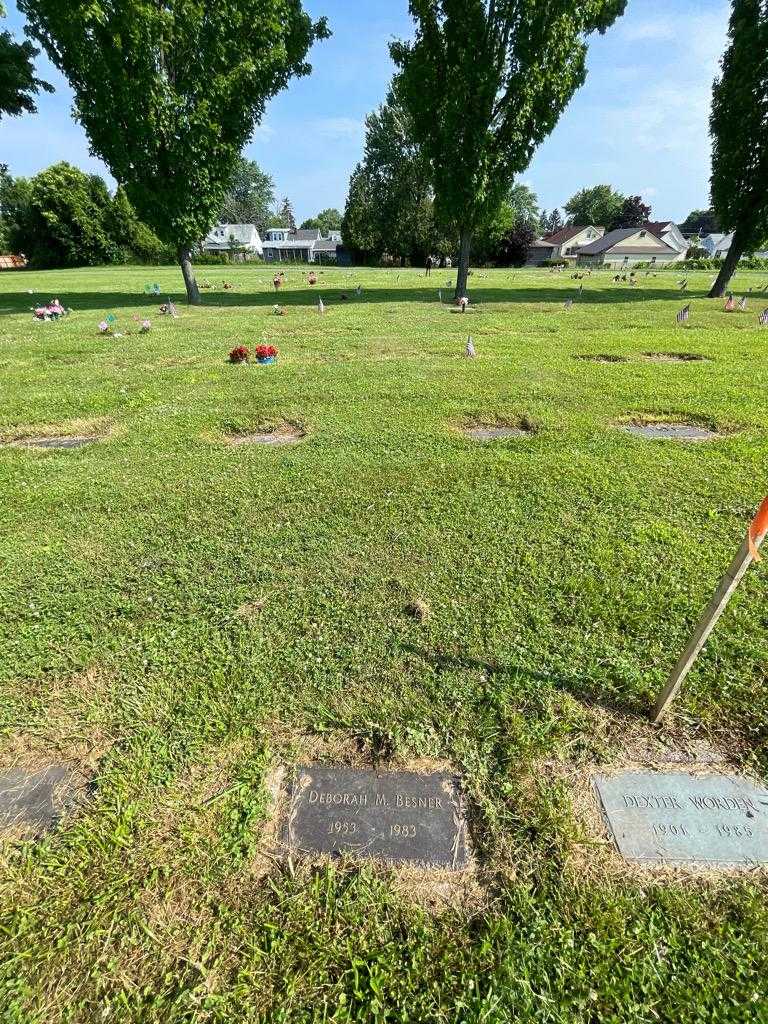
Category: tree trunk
[185,262]
[730,263]
[462,272]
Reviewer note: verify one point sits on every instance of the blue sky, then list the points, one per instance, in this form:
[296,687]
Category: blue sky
[639,123]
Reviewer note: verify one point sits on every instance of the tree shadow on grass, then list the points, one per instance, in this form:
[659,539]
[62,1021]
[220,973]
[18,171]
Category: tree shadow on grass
[481,297]
[582,689]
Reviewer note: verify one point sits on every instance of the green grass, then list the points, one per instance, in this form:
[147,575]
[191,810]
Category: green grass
[563,572]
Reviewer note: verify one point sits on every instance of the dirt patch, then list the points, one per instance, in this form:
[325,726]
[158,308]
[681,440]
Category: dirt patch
[269,434]
[676,357]
[652,428]
[497,430]
[603,357]
[73,434]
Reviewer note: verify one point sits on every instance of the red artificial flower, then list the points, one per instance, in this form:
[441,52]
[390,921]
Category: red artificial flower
[265,351]
[239,354]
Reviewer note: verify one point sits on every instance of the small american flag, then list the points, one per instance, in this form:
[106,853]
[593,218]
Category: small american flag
[568,303]
[172,310]
[581,290]
[763,318]
[320,305]
[684,313]
[743,304]
[683,285]
[470,348]
[729,307]
[440,295]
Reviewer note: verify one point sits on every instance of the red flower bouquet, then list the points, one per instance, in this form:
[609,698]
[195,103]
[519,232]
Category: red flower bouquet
[239,354]
[266,353]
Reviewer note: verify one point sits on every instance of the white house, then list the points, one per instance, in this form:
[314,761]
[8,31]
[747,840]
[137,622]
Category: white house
[567,241]
[626,247]
[716,245]
[302,245]
[670,234]
[226,237]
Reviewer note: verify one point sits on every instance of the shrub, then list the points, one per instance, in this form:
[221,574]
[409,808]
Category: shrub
[211,259]
[554,263]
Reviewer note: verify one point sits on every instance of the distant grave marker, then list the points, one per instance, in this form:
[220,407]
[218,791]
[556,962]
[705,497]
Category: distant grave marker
[671,431]
[34,801]
[677,818]
[400,817]
[75,441]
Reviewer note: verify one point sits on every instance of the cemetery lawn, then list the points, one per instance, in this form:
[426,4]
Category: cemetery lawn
[182,616]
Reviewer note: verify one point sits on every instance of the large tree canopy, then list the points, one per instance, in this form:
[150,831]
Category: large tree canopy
[739,129]
[250,196]
[169,93]
[18,82]
[631,214]
[598,205]
[325,221]
[485,81]
[390,206]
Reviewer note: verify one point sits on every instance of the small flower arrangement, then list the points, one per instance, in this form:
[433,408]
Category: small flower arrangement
[312,277]
[277,281]
[462,303]
[278,311]
[146,327]
[104,328]
[239,354]
[266,353]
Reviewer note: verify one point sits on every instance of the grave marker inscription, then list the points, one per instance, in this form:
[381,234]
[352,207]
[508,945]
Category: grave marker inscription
[392,816]
[678,818]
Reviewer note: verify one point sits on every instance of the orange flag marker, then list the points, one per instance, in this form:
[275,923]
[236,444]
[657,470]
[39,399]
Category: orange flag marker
[748,552]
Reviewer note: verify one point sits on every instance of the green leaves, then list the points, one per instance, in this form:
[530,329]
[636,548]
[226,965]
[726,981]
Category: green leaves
[169,94]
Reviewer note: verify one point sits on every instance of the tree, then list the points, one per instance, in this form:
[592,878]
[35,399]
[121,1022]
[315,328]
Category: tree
[739,129]
[701,222]
[485,81]
[286,215]
[543,220]
[59,218]
[18,83]
[524,204]
[514,246]
[390,208]
[555,221]
[325,221]
[598,205]
[632,214]
[359,225]
[250,197]
[170,92]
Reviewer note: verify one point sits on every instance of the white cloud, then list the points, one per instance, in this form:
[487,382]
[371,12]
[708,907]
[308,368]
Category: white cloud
[649,192]
[338,128]
[263,133]
[658,29]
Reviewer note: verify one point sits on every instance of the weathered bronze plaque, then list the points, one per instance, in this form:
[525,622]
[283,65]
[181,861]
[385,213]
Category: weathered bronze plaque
[678,818]
[34,801]
[391,816]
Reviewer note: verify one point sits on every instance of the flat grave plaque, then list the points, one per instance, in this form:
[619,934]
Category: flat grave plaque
[677,818]
[36,800]
[401,817]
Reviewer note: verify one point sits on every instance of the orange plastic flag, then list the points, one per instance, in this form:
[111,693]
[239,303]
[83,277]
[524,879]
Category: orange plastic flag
[757,530]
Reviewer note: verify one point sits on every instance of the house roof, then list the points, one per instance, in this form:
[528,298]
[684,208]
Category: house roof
[326,245]
[541,244]
[658,227]
[614,239]
[565,234]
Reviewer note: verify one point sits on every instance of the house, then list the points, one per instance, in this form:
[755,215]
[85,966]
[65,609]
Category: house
[717,245]
[301,245]
[538,253]
[670,234]
[226,237]
[566,241]
[626,247]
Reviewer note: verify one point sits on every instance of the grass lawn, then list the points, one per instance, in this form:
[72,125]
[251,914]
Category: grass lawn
[181,616]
